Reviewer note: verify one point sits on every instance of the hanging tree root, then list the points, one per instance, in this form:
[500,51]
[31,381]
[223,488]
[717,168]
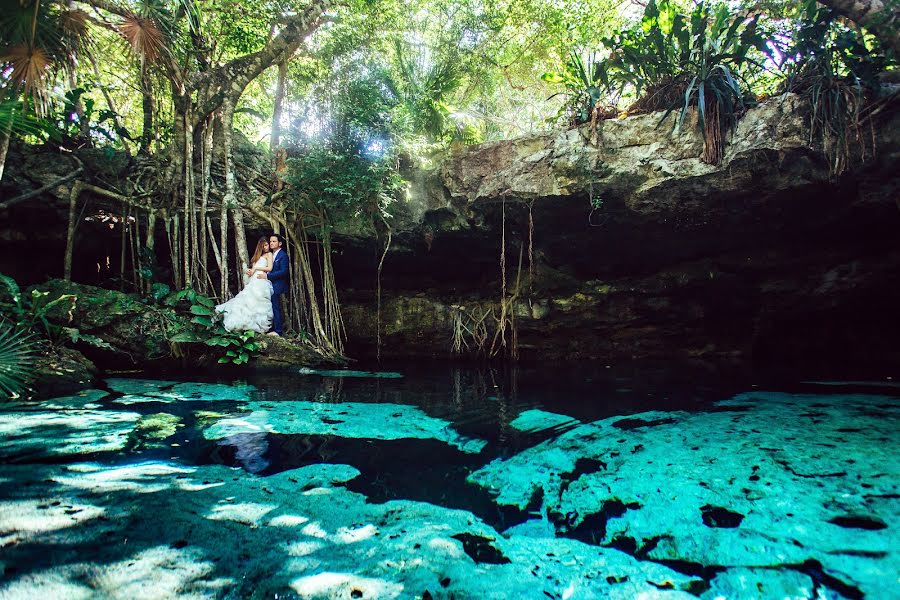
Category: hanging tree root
[76,191]
[470,334]
[387,246]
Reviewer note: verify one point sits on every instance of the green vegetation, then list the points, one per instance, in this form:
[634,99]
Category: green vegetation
[16,359]
[26,329]
[837,67]
[205,327]
[305,116]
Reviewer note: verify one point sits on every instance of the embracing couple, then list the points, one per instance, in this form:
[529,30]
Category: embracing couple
[258,306]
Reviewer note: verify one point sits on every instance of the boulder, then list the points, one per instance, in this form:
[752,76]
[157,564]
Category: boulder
[59,370]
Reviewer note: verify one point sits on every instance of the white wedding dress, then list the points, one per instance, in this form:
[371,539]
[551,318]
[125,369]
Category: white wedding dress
[251,309]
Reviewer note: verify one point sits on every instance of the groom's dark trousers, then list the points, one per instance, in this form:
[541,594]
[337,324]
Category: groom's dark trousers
[280,277]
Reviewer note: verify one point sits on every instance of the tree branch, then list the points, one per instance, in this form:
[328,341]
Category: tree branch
[230,79]
[878,16]
[41,190]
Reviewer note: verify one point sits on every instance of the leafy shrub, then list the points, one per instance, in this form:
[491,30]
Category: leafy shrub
[342,182]
[16,360]
[683,62]
[588,88]
[836,68]
[28,313]
[207,328]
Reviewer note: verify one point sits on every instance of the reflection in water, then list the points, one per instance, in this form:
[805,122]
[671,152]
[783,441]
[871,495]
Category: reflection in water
[250,449]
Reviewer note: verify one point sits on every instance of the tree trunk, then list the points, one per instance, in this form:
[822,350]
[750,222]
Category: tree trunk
[117,119]
[206,158]
[878,16]
[70,232]
[275,140]
[84,126]
[147,95]
[230,199]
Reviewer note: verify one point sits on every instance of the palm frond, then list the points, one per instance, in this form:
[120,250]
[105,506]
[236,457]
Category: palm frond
[30,70]
[15,118]
[144,36]
[16,360]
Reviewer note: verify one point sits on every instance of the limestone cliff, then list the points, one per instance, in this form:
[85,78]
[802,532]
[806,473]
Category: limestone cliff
[642,250]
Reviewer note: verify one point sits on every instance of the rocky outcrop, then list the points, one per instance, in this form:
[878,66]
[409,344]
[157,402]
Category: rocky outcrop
[135,332]
[59,370]
[642,250]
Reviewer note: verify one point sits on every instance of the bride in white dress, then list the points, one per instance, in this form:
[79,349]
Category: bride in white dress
[251,309]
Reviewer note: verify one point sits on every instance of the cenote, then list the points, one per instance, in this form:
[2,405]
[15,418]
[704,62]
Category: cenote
[437,480]
[449,300]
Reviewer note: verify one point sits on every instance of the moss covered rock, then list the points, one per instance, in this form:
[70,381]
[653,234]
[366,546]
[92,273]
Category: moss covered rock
[60,370]
[137,332]
[130,326]
[150,430]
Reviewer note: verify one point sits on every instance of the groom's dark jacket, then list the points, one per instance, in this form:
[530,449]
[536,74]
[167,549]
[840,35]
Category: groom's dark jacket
[279,275]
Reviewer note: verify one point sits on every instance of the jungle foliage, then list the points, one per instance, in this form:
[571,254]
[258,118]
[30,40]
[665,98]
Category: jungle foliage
[715,59]
[336,96]
[25,328]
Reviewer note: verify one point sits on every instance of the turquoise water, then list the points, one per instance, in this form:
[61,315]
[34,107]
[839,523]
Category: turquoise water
[438,482]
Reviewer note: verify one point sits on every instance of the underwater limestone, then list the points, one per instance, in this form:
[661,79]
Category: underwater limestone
[534,420]
[162,530]
[803,482]
[61,426]
[86,399]
[149,390]
[347,419]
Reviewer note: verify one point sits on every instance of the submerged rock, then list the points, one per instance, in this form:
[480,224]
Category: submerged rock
[150,430]
[41,433]
[212,531]
[727,488]
[151,390]
[539,420]
[346,419]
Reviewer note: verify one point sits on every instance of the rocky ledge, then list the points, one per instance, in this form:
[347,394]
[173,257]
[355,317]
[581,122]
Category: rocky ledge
[631,247]
[129,331]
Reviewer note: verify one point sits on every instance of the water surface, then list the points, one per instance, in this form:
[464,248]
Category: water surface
[418,481]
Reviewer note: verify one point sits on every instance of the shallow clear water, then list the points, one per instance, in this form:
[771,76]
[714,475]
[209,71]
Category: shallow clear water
[570,481]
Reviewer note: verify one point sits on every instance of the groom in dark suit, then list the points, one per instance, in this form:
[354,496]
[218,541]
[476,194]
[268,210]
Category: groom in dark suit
[280,278]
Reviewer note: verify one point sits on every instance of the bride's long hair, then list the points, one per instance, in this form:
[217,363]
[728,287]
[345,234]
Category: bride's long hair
[262,246]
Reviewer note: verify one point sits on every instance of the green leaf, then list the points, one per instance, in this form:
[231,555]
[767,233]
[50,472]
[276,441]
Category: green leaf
[218,341]
[16,360]
[203,300]
[204,321]
[224,361]
[185,337]
[202,311]
[159,291]
[554,78]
